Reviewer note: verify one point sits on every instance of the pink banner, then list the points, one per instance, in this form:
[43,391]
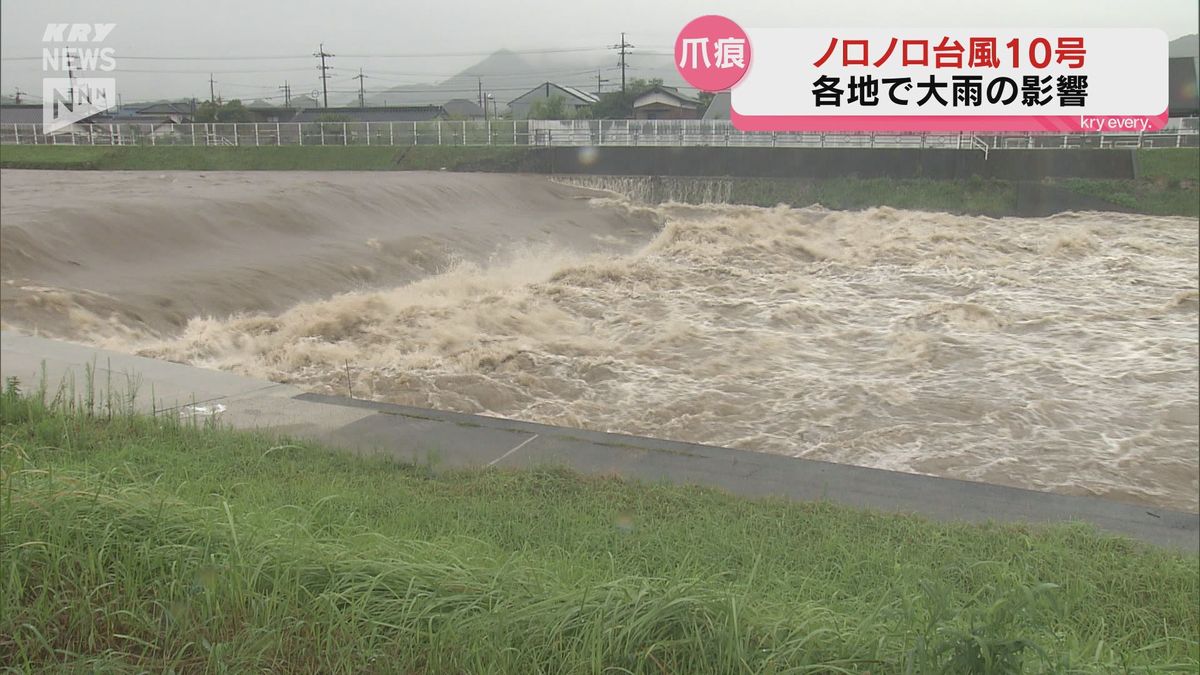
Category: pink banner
[973,123]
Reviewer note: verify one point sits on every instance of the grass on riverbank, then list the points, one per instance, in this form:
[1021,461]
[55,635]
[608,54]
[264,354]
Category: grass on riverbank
[1168,182]
[283,158]
[133,543]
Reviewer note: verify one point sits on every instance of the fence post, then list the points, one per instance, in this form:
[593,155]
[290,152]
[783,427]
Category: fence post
[439,122]
[321,125]
[391,133]
[489,131]
[368,133]
[414,133]
[278,136]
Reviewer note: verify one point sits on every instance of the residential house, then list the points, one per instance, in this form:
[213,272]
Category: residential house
[20,113]
[463,109]
[165,113]
[572,98]
[665,103]
[271,113]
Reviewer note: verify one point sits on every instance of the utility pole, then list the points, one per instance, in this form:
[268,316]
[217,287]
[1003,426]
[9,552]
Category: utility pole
[287,94]
[212,92]
[624,47]
[599,83]
[362,96]
[322,54]
[480,80]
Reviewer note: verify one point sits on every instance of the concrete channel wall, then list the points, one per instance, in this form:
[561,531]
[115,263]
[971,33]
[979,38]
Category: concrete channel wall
[942,164]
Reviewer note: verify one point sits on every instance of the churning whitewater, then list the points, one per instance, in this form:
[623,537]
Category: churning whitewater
[1055,353]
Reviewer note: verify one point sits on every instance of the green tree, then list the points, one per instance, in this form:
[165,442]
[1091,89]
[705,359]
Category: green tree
[618,105]
[232,111]
[553,108]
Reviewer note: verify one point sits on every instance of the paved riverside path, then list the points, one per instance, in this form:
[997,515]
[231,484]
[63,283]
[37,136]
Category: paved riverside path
[456,440]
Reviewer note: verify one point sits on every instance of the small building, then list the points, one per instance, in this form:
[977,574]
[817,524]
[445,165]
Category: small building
[572,98]
[20,113]
[26,113]
[270,113]
[463,109]
[165,113]
[665,103]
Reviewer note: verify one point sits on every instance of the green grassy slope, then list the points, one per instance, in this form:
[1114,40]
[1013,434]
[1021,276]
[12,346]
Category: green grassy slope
[130,544]
[1168,184]
[285,158]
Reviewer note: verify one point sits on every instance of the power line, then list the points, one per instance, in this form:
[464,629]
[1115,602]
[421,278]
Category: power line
[297,57]
[404,90]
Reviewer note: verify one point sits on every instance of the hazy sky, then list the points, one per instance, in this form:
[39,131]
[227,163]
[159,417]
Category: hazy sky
[373,34]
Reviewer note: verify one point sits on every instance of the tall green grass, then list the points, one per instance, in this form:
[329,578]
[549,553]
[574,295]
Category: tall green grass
[132,543]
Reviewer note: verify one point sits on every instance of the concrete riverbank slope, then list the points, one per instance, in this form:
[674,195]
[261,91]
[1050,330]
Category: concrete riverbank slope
[456,440]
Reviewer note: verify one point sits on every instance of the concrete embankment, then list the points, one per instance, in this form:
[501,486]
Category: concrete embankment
[457,440]
[756,162]
[813,163]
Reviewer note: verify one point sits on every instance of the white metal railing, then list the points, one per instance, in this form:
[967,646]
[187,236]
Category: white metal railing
[551,133]
[979,144]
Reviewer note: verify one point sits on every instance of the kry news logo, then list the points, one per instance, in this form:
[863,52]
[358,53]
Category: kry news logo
[72,48]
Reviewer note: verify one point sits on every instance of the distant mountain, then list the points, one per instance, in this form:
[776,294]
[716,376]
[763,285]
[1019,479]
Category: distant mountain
[1188,45]
[507,75]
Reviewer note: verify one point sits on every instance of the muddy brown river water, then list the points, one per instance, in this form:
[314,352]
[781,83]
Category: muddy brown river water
[1056,353]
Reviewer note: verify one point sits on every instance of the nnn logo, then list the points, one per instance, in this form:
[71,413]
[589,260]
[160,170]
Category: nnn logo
[67,100]
[71,99]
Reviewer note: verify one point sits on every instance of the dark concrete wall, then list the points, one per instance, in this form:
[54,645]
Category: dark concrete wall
[1024,165]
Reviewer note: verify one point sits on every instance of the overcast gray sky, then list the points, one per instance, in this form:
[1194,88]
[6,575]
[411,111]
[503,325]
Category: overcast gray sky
[371,33]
